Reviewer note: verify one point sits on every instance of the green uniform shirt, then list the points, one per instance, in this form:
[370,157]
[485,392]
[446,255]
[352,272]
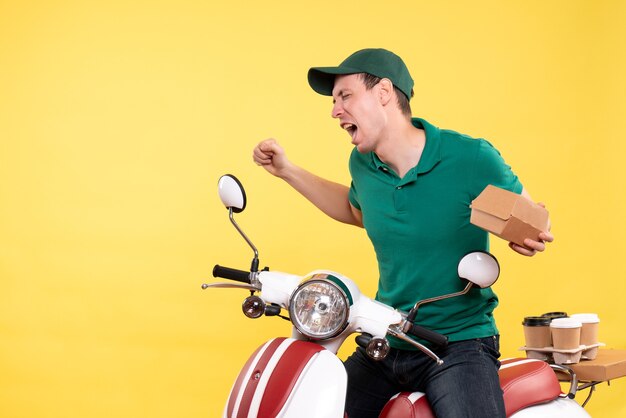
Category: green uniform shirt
[419,226]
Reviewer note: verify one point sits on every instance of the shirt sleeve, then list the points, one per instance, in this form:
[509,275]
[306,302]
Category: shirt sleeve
[353,197]
[490,168]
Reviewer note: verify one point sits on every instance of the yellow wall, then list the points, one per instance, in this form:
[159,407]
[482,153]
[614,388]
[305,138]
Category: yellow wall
[117,117]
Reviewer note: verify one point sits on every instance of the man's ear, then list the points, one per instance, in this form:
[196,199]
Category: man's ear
[385,91]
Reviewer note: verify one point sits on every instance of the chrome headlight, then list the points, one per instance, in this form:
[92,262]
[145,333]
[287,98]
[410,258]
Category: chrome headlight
[319,307]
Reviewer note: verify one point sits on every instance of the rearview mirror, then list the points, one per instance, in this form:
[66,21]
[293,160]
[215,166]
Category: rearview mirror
[480,268]
[232,193]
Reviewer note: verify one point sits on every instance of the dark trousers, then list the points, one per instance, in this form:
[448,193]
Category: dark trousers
[466,385]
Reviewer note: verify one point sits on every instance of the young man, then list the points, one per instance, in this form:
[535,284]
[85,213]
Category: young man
[412,185]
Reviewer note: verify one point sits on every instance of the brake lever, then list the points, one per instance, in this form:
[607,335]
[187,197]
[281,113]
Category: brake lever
[232,286]
[396,331]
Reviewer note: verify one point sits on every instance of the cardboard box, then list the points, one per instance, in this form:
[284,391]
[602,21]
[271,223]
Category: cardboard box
[508,215]
[608,365]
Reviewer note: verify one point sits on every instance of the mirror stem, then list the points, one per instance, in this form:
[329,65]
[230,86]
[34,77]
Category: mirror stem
[255,261]
[413,312]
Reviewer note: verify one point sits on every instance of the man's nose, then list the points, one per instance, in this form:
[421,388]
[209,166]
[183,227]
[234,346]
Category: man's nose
[337,110]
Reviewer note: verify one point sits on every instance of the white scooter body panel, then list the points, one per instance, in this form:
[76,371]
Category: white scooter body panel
[320,391]
[291,379]
[558,408]
[278,287]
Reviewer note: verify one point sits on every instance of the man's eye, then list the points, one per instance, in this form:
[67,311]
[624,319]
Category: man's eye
[345,96]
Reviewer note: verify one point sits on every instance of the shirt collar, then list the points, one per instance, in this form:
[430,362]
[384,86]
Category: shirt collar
[432,149]
[431,154]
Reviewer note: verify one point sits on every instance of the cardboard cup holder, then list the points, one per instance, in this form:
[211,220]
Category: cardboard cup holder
[556,337]
[590,352]
[571,356]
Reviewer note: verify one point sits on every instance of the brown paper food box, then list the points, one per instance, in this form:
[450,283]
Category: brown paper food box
[508,215]
[608,365]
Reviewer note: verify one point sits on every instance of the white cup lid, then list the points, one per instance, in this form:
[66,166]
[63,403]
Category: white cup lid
[586,318]
[565,323]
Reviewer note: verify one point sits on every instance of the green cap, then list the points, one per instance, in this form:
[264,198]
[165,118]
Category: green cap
[377,62]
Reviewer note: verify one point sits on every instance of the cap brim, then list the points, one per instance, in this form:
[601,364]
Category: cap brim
[322,79]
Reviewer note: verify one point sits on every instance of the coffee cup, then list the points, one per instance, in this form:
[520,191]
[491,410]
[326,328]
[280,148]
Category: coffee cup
[537,331]
[588,333]
[565,333]
[554,315]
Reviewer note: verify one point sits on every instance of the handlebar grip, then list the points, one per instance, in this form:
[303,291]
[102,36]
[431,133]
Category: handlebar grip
[232,274]
[428,335]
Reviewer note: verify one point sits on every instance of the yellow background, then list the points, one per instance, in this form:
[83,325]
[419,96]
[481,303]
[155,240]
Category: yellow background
[117,118]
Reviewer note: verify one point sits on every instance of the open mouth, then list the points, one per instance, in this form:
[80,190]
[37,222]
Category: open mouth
[350,128]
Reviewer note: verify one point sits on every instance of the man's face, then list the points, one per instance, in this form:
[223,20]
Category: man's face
[359,111]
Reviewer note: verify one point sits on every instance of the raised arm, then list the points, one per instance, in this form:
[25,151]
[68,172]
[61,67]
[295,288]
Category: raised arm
[330,197]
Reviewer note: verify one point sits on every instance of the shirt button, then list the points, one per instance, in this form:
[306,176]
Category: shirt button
[399,187]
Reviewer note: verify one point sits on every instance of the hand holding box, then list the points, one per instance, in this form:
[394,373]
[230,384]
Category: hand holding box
[509,215]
